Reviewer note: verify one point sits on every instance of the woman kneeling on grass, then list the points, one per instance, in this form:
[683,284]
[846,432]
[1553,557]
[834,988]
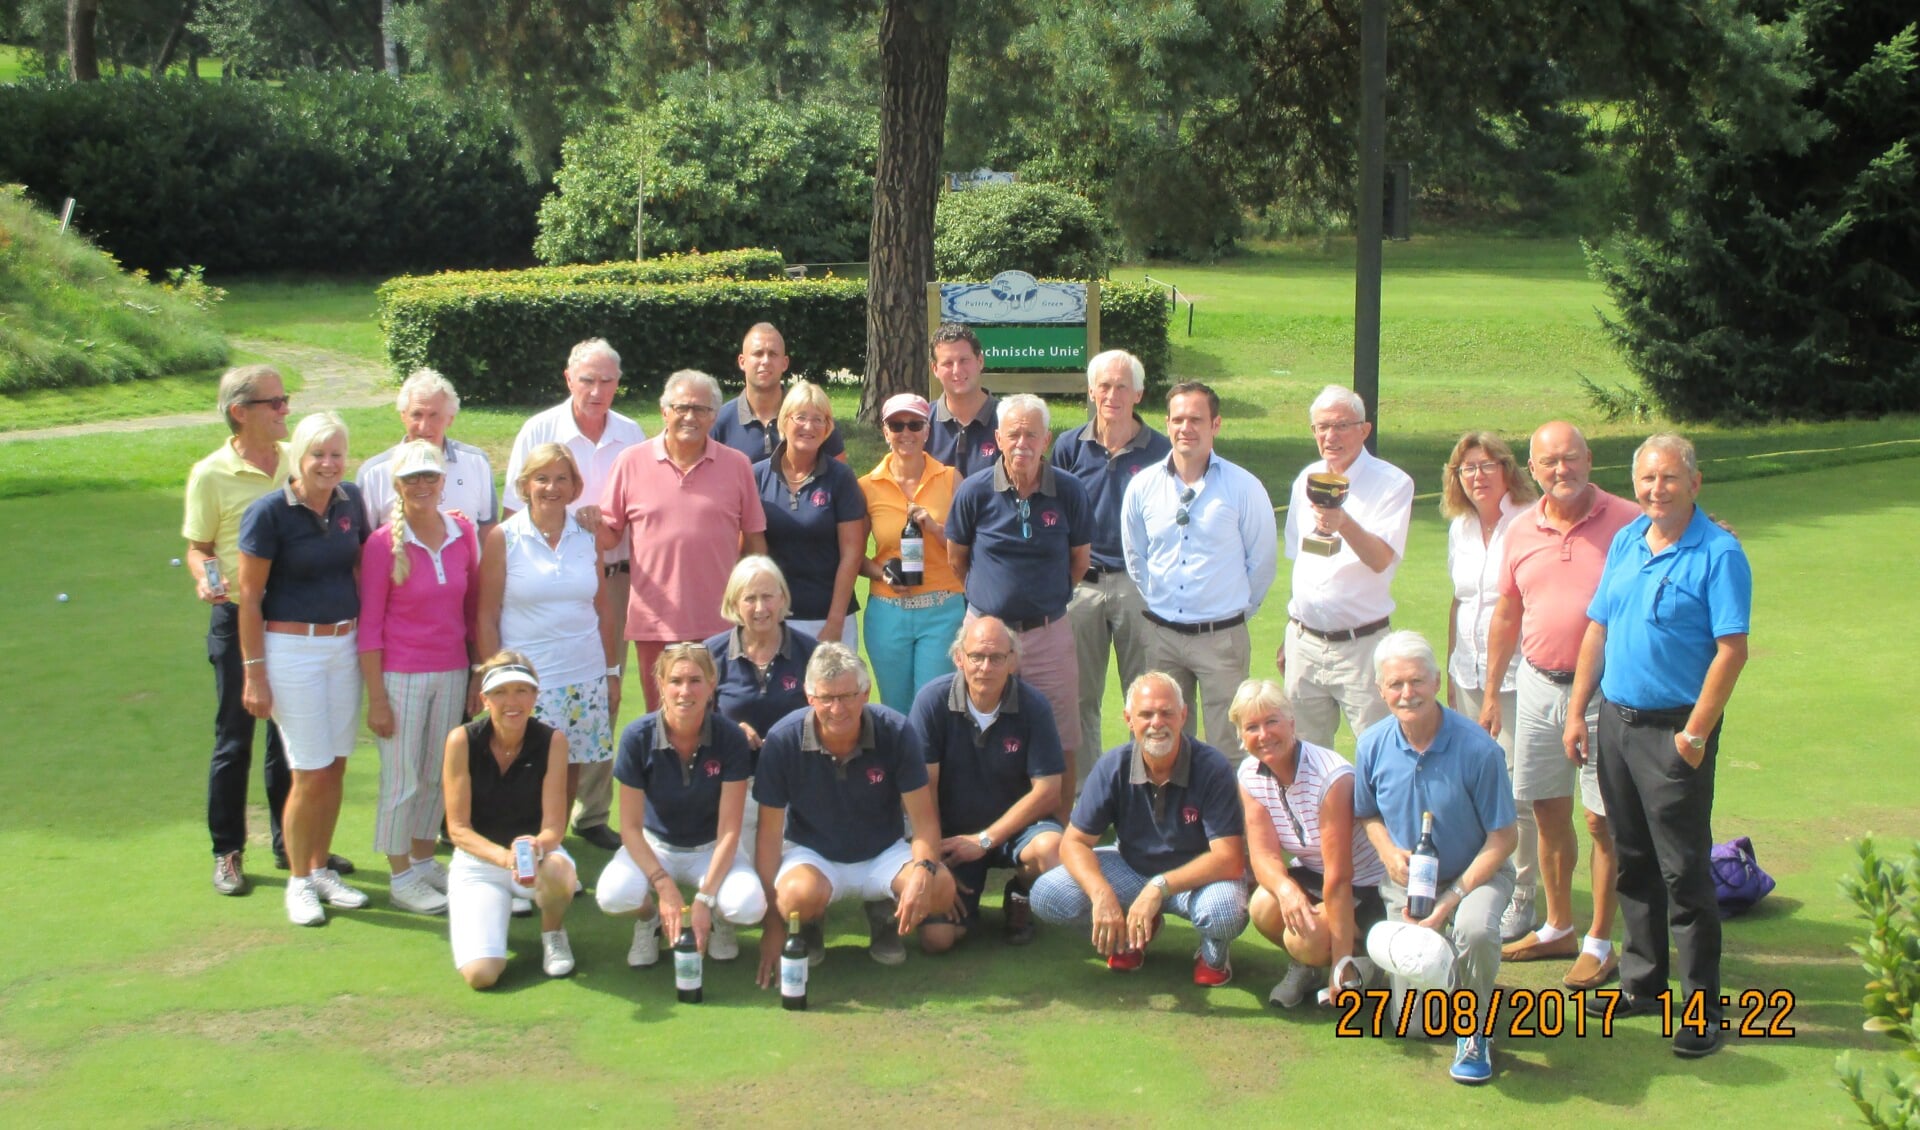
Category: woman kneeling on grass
[506,781]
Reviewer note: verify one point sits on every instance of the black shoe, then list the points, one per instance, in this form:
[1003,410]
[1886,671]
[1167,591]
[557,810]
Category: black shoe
[1689,1044]
[1018,913]
[1624,1004]
[600,836]
[340,864]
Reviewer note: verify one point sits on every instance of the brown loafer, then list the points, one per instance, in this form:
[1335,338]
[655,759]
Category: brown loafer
[1531,948]
[1589,972]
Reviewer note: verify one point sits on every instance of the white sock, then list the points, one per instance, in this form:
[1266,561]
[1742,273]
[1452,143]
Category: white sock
[399,876]
[412,862]
[1600,948]
[1547,934]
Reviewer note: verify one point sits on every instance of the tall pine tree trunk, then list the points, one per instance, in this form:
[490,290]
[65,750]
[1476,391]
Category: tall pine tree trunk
[916,41]
[83,59]
[175,32]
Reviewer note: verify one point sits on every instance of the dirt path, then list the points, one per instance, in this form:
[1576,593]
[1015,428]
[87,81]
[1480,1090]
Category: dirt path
[331,380]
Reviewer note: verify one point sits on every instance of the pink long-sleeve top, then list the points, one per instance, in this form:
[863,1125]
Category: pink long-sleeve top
[423,624]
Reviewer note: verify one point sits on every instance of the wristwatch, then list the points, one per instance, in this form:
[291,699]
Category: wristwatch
[704,899]
[1698,744]
[932,867]
[986,841]
[614,671]
[1459,894]
[1160,881]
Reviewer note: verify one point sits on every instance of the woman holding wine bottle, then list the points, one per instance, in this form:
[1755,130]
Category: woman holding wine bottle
[816,518]
[916,603]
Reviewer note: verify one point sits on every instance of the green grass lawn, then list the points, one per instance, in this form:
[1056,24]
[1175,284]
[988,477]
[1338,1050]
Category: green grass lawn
[18,63]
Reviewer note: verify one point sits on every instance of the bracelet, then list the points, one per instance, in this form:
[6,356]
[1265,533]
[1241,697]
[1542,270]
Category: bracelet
[1459,893]
[657,877]
[932,867]
[253,662]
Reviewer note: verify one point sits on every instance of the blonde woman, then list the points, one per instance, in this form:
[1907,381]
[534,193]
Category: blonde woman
[816,518]
[419,585]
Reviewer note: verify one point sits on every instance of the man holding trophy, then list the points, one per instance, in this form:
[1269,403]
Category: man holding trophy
[1346,531]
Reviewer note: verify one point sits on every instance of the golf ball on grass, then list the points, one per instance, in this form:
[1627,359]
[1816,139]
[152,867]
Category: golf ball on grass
[63,598]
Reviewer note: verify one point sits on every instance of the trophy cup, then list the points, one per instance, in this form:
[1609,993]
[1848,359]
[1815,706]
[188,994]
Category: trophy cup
[1324,489]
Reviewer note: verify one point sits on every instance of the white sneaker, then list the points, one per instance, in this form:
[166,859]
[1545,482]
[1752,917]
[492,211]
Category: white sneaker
[326,883]
[556,954]
[432,871]
[1294,987]
[522,907]
[723,944]
[1516,921]
[645,950]
[303,904]
[414,892]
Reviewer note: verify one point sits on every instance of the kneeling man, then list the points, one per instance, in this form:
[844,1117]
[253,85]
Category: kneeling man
[1427,758]
[1180,841]
[993,756]
[831,783]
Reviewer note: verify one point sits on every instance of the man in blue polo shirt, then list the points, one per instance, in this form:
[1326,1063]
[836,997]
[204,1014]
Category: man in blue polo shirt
[1667,642]
[1180,842]
[747,423]
[1105,453]
[1018,535]
[831,783]
[993,756]
[962,433]
[1428,758]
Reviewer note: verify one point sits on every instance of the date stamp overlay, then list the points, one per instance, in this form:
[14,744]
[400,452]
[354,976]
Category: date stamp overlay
[1526,1013]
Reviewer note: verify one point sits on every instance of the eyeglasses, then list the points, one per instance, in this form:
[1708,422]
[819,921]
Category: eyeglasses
[807,419]
[1025,509]
[274,402]
[837,699]
[1180,517]
[988,658]
[1470,470]
[690,409]
[911,424]
[1343,427]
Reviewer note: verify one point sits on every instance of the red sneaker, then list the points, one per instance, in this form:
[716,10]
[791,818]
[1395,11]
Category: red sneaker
[1207,977]
[1126,961]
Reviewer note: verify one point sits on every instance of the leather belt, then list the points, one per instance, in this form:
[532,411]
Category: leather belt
[617,567]
[1199,629]
[1670,718]
[1558,678]
[1346,635]
[1095,572]
[1032,625]
[299,628]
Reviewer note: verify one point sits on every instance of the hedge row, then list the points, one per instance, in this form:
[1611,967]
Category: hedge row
[505,339]
[334,173]
[750,263]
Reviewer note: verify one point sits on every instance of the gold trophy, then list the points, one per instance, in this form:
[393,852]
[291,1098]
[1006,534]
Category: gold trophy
[1328,490]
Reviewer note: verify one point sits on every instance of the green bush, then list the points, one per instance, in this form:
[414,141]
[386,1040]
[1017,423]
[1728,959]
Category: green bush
[720,173]
[1042,229]
[503,336]
[335,173]
[70,316]
[1886,891]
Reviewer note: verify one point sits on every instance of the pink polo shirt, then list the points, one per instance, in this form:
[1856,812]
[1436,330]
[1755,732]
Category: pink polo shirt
[1554,576]
[425,623]
[684,529]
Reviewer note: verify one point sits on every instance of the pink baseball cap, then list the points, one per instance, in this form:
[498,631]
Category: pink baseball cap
[906,402]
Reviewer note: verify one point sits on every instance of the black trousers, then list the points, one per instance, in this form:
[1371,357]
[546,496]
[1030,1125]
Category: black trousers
[233,744]
[1661,813]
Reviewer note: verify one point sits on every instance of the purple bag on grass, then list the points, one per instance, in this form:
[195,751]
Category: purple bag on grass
[1738,881]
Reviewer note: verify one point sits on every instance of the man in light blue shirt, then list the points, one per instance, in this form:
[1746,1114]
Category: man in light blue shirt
[1199,539]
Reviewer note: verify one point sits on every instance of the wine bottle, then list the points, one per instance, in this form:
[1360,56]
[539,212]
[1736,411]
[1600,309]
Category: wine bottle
[686,965]
[913,553]
[1423,871]
[793,967]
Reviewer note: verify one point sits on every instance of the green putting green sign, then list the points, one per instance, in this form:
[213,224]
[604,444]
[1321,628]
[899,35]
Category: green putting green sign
[1034,347]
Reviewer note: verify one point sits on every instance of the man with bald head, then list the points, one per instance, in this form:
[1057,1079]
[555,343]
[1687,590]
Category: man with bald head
[747,423]
[1555,552]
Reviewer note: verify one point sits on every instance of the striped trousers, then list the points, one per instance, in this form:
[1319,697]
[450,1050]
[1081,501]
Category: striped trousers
[426,705]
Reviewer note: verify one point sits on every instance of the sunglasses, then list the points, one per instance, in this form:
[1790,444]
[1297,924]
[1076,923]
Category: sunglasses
[912,424]
[274,402]
[1180,517]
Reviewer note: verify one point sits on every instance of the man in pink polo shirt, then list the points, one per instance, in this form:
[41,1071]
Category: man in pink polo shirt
[1556,551]
[688,508]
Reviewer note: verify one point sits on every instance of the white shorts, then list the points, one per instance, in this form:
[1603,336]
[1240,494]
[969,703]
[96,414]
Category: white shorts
[869,880]
[479,905]
[623,889]
[315,682]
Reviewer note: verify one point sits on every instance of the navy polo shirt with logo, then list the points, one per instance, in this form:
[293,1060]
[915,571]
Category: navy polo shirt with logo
[848,811]
[983,774]
[1081,453]
[314,556]
[736,426]
[803,529]
[964,447]
[1017,568]
[1160,828]
[743,695]
[683,795]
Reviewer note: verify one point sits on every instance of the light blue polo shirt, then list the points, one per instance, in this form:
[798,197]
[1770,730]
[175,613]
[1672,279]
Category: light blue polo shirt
[1664,611]
[1461,779]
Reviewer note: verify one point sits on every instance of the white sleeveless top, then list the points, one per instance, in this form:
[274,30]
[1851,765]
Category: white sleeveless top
[1295,810]
[547,611]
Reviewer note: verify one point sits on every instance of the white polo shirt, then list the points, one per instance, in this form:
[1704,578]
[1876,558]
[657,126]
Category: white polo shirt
[468,486]
[595,460]
[1339,593]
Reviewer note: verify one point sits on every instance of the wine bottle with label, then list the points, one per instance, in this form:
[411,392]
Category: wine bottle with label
[686,965]
[793,967]
[913,553]
[1423,871]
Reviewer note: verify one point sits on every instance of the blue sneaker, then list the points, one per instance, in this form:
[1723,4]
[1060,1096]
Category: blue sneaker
[1472,1060]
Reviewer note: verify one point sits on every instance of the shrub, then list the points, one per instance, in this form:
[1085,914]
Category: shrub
[337,173]
[721,173]
[72,317]
[1887,893]
[1042,229]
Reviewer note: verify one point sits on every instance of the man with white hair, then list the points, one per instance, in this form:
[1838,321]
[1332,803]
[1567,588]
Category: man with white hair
[1105,454]
[686,507]
[1344,558]
[1018,534]
[1180,844]
[427,405]
[1667,642]
[1428,758]
[588,427]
